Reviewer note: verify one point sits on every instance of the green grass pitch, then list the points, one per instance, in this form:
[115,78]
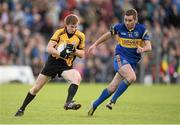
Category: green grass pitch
[158,104]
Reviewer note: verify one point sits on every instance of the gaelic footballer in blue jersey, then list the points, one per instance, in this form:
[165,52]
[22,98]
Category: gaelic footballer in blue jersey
[132,40]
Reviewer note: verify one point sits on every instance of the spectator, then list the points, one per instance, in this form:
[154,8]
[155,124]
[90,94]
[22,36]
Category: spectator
[25,27]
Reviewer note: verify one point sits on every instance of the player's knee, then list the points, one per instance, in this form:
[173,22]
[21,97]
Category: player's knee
[132,79]
[77,79]
[78,76]
[34,90]
[111,88]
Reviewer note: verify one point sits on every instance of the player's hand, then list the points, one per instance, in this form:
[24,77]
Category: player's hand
[69,50]
[92,49]
[139,50]
[64,54]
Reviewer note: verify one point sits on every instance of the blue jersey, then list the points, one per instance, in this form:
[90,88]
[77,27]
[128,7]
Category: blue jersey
[128,41]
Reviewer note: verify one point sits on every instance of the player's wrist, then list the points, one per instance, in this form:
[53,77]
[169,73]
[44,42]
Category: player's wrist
[142,50]
[95,44]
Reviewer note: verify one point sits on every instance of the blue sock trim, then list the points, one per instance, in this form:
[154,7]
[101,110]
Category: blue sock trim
[104,95]
[120,90]
[126,82]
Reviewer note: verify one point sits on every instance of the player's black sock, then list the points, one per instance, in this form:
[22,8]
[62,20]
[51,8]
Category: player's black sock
[71,92]
[27,100]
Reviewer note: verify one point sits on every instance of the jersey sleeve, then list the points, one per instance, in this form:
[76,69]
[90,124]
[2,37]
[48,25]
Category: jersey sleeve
[55,36]
[145,35]
[113,30]
[81,45]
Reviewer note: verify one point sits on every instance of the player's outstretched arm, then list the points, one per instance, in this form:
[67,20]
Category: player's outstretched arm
[147,47]
[102,39]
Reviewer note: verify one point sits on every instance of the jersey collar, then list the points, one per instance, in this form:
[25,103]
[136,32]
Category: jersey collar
[69,35]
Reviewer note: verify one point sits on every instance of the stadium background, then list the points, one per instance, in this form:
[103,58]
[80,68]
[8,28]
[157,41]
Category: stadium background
[27,25]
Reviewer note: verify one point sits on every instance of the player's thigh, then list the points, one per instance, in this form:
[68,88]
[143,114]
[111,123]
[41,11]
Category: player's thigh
[72,76]
[39,83]
[115,82]
[127,72]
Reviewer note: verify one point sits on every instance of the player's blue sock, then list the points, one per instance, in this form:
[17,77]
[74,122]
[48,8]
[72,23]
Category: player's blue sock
[120,90]
[104,95]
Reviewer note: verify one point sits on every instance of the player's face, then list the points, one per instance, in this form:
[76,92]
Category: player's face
[71,28]
[129,22]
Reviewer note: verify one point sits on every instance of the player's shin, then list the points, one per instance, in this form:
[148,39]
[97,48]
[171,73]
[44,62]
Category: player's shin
[71,92]
[104,95]
[27,100]
[120,90]
[70,104]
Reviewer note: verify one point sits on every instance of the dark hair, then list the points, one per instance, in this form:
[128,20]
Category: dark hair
[71,19]
[132,12]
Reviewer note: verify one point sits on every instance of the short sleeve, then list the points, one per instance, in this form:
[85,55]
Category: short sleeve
[56,35]
[113,30]
[145,35]
[82,42]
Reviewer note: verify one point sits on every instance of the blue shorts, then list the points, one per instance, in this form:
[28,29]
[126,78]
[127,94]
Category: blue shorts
[120,61]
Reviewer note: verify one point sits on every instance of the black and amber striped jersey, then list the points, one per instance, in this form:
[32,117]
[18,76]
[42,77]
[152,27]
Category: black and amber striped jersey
[62,37]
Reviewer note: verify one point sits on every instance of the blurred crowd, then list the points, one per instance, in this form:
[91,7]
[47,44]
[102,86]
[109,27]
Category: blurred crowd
[27,25]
